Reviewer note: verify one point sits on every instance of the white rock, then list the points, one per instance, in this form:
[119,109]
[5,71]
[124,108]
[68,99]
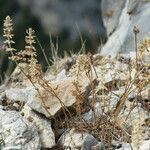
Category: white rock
[89,142]
[63,90]
[43,125]
[12,148]
[125,146]
[89,115]
[18,132]
[122,39]
[144,146]
[72,139]
[111,11]
[17,94]
[62,75]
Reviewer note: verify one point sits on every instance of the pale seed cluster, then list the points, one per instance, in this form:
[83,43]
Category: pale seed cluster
[27,56]
[8,35]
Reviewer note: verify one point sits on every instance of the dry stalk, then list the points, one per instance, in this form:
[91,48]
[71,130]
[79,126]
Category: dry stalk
[30,40]
[79,104]
[136,31]
[49,89]
[122,100]
[89,74]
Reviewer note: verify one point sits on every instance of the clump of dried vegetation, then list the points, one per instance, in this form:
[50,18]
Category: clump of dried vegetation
[112,124]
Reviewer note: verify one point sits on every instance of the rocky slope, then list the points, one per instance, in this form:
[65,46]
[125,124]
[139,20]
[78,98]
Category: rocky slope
[98,103]
[85,101]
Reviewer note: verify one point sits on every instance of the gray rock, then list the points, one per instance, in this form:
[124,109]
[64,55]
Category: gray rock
[60,93]
[122,39]
[99,146]
[88,116]
[73,139]
[43,126]
[111,11]
[144,146]
[89,142]
[17,132]
[12,148]
[132,5]
[16,94]
[52,102]
[2,88]
[48,102]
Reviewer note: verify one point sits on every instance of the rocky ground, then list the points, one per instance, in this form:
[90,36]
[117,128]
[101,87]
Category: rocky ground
[88,102]
[85,101]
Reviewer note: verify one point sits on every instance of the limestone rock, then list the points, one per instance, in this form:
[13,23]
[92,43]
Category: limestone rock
[43,126]
[99,146]
[132,5]
[58,94]
[72,139]
[89,142]
[16,94]
[89,115]
[122,39]
[111,11]
[144,146]
[17,132]
[75,140]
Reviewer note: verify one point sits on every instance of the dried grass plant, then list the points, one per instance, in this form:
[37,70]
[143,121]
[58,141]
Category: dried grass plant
[32,70]
[111,124]
[27,62]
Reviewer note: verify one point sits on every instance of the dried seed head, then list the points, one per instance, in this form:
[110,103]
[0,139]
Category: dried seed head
[27,55]
[8,33]
[30,36]
[30,41]
[30,52]
[144,45]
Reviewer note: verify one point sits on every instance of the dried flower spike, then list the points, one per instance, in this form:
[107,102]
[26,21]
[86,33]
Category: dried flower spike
[30,41]
[8,34]
[30,37]
[30,52]
[34,68]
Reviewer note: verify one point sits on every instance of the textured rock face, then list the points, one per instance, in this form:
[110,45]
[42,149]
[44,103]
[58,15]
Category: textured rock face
[17,133]
[54,100]
[89,141]
[111,11]
[72,139]
[98,94]
[75,140]
[15,94]
[122,39]
[43,125]
[57,96]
